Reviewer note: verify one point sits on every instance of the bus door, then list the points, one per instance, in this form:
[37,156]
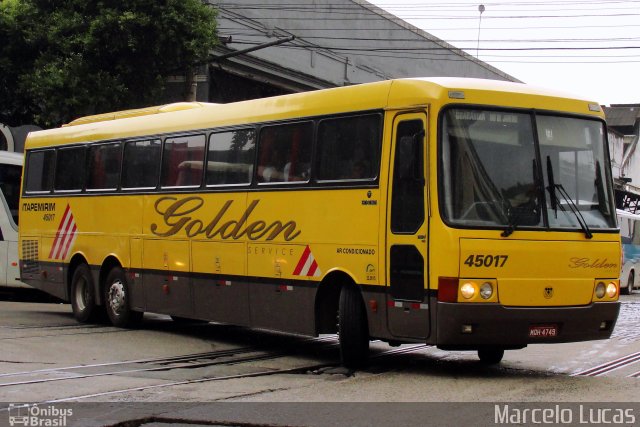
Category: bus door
[407,228]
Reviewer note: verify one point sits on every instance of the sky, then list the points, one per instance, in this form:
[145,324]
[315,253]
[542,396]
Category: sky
[589,48]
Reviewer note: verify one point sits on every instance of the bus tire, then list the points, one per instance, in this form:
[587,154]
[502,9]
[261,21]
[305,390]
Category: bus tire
[117,300]
[83,298]
[490,355]
[353,330]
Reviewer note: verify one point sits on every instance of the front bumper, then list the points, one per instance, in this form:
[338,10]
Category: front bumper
[508,327]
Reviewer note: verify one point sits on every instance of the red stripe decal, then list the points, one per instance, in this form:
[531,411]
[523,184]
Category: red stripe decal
[313,268]
[69,241]
[55,241]
[303,260]
[65,237]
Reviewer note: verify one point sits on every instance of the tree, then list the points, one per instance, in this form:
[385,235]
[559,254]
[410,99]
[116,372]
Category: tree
[61,60]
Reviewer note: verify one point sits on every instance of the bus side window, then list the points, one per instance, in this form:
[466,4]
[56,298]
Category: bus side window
[348,148]
[40,166]
[284,153]
[10,184]
[141,164]
[182,161]
[104,166]
[70,167]
[231,156]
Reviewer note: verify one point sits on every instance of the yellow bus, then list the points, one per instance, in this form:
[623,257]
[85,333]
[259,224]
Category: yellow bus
[463,213]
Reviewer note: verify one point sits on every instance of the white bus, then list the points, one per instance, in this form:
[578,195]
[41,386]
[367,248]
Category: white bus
[630,235]
[10,175]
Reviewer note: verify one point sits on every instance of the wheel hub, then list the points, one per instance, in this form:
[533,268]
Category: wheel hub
[82,295]
[116,297]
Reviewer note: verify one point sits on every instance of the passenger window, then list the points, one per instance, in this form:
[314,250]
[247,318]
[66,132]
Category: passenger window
[40,166]
[141,164]
[231,157]
[10,184]
[284,153]
[70,167]
[182,161]
[104,166]
[348,148]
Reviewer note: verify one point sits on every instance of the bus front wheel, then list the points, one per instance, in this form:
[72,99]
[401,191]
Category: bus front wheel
[353,330]
[83,301]
[490,355]
[117,300]
[629,289]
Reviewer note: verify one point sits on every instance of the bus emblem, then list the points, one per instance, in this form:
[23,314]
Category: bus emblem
[65,236]
[307,266]
[548,292]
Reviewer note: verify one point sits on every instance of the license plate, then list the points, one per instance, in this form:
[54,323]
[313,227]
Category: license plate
[543,331]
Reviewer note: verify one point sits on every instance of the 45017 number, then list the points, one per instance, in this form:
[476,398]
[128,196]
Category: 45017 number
[486,260]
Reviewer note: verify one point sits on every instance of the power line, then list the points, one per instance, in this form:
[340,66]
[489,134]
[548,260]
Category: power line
[435,56]
[376,18]
[409,49]
[563,27]
[386,39]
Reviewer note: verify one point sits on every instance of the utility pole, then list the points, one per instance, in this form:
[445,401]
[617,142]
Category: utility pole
[480,9]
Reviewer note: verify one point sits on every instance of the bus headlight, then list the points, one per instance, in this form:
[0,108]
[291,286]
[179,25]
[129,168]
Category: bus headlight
[468,290]
[486,290]
[600,289]
[612,290]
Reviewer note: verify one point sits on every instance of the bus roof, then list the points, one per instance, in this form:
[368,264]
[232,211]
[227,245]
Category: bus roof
[390,94]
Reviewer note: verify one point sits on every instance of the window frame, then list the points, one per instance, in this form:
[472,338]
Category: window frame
[254,160]
[209,134]
[28,165]
[316,167]
[98,144]
[83,162]
[304,121]
[159,166]
[165,140]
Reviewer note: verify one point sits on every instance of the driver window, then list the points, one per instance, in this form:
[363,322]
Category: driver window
[407,200]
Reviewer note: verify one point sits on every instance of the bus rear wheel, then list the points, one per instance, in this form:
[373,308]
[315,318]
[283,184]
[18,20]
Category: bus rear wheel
[353,330]
[83,301]
[490,355]
[117,300]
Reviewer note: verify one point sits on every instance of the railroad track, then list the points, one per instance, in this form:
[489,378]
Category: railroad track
[190,361]
[612,365]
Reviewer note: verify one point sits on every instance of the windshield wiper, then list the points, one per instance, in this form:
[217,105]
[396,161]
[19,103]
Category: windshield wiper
[553,199]
[513,223]
[528,210]
[554,189]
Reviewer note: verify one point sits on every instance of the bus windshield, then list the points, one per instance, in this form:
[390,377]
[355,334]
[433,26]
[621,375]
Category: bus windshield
[507,169]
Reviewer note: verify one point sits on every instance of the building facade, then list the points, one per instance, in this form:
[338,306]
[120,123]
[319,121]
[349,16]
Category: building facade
[319,44]
[624,131]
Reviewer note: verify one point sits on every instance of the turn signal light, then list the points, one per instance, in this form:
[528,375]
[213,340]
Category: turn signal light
[600,290]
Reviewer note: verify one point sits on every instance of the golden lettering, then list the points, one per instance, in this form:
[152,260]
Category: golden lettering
[177,216]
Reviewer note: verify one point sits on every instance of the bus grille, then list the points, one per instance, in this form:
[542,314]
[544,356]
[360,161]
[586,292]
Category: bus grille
[30,262]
